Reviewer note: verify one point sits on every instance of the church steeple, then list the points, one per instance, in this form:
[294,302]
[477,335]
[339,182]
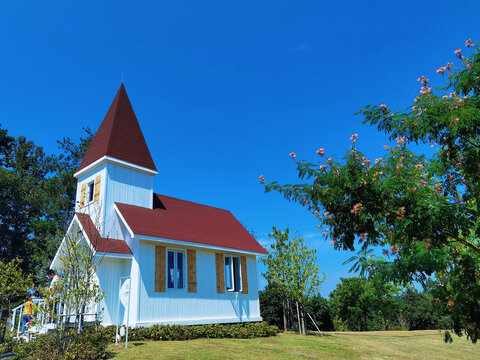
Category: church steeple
[119,137]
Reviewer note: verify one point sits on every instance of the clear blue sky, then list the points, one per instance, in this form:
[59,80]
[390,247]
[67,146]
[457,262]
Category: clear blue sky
[223,90]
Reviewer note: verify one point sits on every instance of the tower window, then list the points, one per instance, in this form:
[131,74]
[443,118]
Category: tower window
[90,189]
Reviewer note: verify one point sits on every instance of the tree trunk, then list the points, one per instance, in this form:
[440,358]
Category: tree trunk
[298,319]
[303,320]
[291,320]
[285,315]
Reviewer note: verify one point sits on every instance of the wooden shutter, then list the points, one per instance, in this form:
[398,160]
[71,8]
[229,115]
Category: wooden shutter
[82,195]
[220,273]
[96,195]
[160,269]
[192,271]
[243,261]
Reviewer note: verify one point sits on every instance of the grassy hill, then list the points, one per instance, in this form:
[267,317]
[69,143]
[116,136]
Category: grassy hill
[349,345]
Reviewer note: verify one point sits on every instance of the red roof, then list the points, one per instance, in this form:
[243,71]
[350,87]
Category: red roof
[102,244]
[182,220]
[119,136]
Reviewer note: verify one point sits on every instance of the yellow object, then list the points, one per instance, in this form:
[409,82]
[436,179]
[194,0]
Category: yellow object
[28,308]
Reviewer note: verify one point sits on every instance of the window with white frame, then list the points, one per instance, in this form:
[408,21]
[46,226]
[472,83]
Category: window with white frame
[232,273]
[175,270]
[90,191]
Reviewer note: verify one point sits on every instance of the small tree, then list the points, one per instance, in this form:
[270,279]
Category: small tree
[294,270]
[77,288]
[14,285]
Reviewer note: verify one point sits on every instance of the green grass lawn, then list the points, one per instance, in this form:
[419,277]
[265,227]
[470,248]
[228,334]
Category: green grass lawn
[366,345]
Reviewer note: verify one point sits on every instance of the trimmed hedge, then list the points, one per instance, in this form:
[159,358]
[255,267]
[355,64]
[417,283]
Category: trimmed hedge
[189,332]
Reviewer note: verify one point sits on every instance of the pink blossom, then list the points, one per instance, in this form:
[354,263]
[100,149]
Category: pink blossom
[293,155]
[329,161]
[401,212]
[425,90]
[386,147]
[453,94]
[323,167]
[414,107]
[326,213]
[449,66]
[469,65]
[419,166]
[356,208]
[458,52]
[444,97]
[321,151]
[441,70]
[378,160]
[400,141]
[468,43]
[261,178]
[354,138]
[423,80]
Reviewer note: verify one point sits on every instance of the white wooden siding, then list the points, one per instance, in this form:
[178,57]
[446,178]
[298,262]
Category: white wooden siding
[109,273]
[204,306]
[124,186]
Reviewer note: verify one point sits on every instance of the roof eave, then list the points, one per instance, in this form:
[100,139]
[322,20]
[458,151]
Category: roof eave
[108,159]
[198,245]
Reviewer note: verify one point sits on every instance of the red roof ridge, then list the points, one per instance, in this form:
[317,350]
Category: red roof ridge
[192,202]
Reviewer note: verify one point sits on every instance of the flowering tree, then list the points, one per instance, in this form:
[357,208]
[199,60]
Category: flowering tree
[422,210]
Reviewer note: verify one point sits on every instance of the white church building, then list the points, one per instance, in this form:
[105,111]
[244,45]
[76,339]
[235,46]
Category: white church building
[188,263]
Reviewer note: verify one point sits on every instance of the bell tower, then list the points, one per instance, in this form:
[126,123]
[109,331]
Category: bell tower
[117,167]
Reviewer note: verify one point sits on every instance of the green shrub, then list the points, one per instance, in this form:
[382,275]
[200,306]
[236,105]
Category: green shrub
[189,332]
[90,344]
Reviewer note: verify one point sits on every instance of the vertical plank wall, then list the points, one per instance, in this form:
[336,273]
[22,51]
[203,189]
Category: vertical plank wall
[203,306]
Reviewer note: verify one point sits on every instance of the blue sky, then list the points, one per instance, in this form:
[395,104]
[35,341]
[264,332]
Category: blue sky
[225,91]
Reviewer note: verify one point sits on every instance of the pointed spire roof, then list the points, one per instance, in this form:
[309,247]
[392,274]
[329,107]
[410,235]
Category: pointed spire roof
[119,136]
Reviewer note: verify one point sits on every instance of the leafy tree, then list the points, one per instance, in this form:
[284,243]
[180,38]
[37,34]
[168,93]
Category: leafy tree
[363,304]
[271,309]
[293,268]
[318,307]
[422,210]
[77,289]
[13,289]
[418,312]
[24,168]
[37,195]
